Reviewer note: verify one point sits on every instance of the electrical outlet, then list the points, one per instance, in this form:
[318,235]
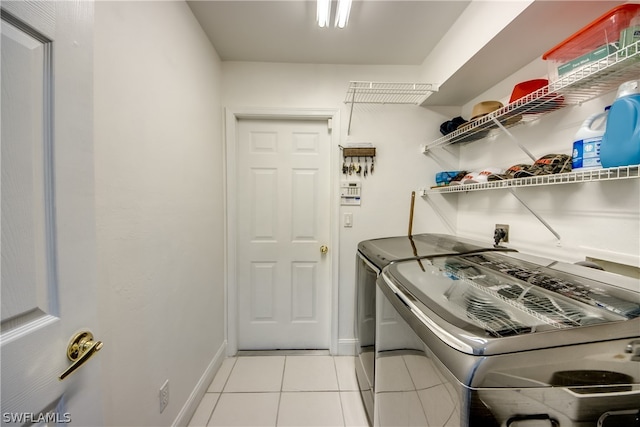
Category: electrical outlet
[164,395]
[501,233]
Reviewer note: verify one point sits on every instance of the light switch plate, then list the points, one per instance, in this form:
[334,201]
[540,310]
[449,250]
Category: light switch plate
[348,220]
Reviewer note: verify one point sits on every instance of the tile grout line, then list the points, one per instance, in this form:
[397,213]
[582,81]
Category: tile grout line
[229,374]
[222,391]
[284,368]
[413,382]
[335,367]
[213,409]
[280,392]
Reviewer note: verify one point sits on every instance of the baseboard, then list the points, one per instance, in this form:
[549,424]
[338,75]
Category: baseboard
[190,406]
[347,347]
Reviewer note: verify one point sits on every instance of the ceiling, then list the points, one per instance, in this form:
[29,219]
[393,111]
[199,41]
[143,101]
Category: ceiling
[388,32]
[379,32]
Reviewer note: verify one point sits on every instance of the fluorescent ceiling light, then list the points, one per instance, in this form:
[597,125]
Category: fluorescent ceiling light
[342,14]
[324,12]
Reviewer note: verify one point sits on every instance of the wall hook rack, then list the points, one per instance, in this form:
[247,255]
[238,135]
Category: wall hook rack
[359,152]
[353,157]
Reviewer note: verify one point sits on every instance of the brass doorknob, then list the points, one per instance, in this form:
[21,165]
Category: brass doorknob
[81,347]
[324,249]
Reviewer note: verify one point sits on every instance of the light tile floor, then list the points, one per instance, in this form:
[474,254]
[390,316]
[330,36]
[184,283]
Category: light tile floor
[279,390]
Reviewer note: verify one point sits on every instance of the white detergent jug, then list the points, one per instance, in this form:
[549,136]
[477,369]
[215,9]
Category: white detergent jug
[586,143]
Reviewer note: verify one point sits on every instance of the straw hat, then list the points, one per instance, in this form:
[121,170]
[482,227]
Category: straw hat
[485,107]
[481,109]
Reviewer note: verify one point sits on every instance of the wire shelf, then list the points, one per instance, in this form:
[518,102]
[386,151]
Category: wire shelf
[360,92]
[583,84]
[608,174]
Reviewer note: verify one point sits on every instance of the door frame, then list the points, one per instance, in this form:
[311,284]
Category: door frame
[232,118]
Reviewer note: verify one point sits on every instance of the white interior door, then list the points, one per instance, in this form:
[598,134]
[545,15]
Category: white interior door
[48,237]
[283,211]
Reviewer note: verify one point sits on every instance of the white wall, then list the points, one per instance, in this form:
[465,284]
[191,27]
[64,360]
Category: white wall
[159,202]
[397,132]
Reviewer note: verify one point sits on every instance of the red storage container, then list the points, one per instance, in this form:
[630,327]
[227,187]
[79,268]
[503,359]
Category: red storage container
[593,42]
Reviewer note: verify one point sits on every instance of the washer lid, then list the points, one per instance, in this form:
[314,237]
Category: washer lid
[490,299]
[385,250]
